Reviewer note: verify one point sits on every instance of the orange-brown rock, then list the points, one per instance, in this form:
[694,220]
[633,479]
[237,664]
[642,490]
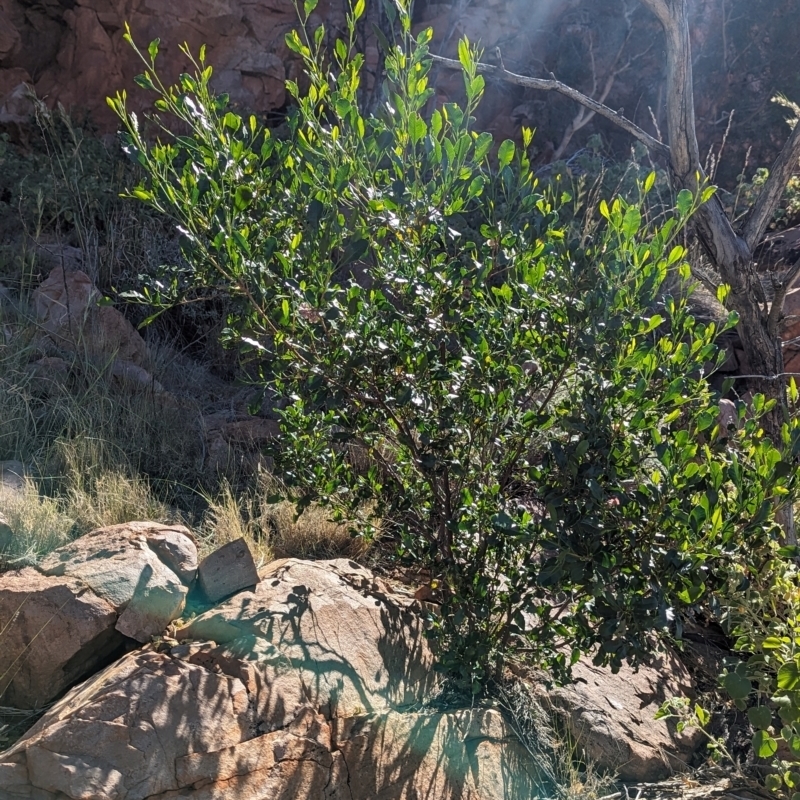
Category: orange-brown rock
[66,307]
[77,54]
[163,726]
[61,621]
[227,570]
[612,717]
[326,633]
[55,632]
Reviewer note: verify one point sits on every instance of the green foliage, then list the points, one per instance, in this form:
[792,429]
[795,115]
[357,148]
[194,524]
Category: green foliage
[764,619]
[501,398]
[693,716]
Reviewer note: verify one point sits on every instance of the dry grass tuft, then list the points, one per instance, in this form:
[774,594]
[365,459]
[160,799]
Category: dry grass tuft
[114,498]
[232,516]
[33,526]
[272,530]
[311,535]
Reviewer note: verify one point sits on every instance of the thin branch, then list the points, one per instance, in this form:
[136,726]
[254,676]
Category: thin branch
[785,164]
[781,289]
[553,85]
[584,116]
[764,377]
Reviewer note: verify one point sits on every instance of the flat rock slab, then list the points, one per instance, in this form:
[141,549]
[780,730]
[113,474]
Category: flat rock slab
[227,571]
[325,633]
[157,727]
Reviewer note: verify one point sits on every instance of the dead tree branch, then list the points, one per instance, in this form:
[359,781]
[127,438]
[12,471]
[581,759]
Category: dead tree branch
[785,164]
[553,85]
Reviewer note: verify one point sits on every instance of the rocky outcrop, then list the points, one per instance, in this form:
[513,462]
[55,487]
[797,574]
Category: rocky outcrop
[313,684]
[612,717]
[74,53]
[85,602]
[155,726]
[326,633]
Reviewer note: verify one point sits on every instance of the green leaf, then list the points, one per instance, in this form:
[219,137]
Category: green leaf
[774,642]
[243,197]
[631,222]
[773,783]
[760,717]
[505,154]
[464,55]
[358,9]
[703,717]
[685,202]
[309,6]
[649,182]
[764,745]
[676,254]
[476,187]
[145,81]
[416,128]
[232,121]
[483,144]
[737,686]
[708,193]
[142,194]
[789,677]
[791,779]
[152,48]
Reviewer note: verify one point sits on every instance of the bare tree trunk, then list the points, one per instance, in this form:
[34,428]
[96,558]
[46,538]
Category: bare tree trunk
[729,252]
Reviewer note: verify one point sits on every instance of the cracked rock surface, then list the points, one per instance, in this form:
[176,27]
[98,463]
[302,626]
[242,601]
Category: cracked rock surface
[311,685]
[308,686]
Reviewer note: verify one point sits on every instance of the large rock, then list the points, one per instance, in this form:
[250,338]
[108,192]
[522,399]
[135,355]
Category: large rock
[77,52]
[156,727]
[326,633]
[469,754]
[12,478]
[67,310]
[612,717]
[227,570]
[84,604]
[66,618]
[142,568]
[55,631]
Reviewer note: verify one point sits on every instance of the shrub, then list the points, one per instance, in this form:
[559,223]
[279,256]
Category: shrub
[520,410]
